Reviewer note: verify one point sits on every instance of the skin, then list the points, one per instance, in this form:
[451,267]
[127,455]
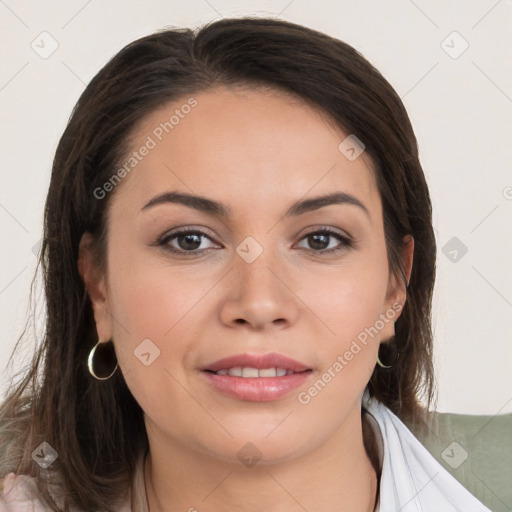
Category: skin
[257,151]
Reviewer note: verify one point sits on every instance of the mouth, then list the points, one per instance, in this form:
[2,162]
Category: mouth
[252,373]
[257,378]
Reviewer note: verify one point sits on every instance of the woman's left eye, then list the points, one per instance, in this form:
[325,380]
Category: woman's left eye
[188,242]
[324,236]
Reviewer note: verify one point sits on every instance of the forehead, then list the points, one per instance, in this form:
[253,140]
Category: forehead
[248,148]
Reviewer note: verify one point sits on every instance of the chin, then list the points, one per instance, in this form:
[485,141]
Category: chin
[252,446]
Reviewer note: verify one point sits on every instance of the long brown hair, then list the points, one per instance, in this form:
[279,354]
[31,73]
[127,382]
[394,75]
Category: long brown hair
[97,428]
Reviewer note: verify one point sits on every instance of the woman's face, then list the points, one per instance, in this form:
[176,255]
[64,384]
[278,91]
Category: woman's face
[262,278]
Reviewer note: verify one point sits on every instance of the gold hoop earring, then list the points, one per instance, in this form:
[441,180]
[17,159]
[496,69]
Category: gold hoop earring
[385,366]
[105,363]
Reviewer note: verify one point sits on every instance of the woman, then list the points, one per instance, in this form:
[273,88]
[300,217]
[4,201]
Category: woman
[239,263]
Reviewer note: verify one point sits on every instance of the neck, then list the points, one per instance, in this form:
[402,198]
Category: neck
[337,476]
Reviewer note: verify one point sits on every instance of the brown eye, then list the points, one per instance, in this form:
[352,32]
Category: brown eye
[185,241]
[188,242]
[322,240]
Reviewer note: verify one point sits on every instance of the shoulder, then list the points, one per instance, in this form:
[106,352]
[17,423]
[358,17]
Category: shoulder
[19,493]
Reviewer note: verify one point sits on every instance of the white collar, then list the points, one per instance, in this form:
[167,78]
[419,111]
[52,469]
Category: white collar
[412,480]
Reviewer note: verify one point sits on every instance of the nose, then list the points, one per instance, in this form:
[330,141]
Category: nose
[259,295]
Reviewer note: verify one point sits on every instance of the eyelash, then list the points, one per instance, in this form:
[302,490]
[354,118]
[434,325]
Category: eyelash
[346,243]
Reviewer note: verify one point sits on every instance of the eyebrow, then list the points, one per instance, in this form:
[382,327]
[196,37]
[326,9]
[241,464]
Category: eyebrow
[218,209]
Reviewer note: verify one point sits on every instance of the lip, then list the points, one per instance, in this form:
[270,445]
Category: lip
[259,361]
[261,389]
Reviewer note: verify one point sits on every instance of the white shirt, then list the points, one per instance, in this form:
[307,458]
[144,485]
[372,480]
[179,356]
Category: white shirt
[412,480]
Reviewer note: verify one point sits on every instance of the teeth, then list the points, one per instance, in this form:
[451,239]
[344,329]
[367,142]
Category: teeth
[251,373]
[267,372]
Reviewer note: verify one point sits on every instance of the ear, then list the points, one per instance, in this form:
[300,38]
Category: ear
[95,284]
[396,294]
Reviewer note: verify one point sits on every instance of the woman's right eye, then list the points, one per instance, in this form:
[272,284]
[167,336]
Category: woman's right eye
[186,241]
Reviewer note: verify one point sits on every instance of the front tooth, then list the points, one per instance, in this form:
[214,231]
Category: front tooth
[250,372]
[267,372]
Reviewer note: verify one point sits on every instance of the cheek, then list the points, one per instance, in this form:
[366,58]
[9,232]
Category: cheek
[349,303]
[350,298]
[150,299]
[151,308]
